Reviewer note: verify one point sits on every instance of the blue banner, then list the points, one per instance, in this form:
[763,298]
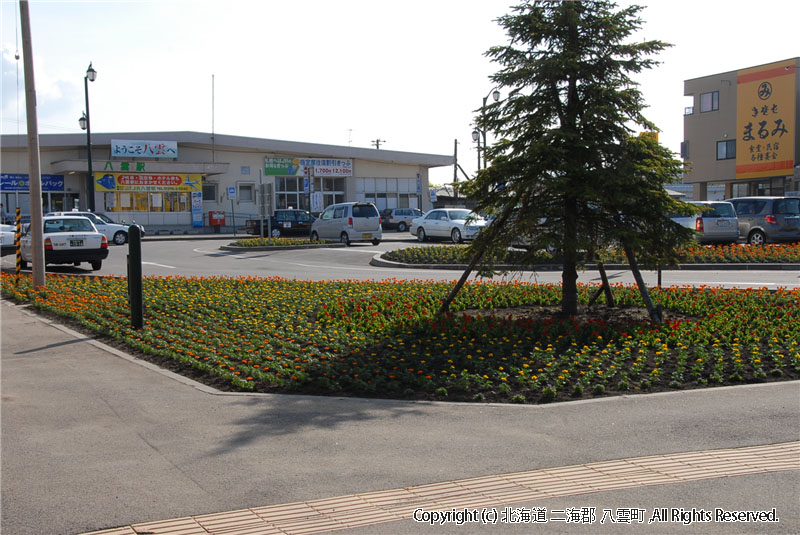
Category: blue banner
[21,182]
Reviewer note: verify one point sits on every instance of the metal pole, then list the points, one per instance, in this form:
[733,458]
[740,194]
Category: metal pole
[135,297]
[17,238]
[233,217]
[263,203]
[34,162]
[479,150]
[90,173]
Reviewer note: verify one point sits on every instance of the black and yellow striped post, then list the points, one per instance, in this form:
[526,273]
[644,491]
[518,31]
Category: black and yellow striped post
[17,236]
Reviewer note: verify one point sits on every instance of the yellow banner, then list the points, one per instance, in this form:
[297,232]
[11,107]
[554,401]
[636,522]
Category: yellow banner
[147,182]
[765,120]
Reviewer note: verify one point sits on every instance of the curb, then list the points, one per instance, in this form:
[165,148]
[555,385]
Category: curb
[377,261]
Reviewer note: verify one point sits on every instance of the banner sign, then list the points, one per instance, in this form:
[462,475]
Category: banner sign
[765,120]
[197,209]
[126,148]
[21,182]
[147,182]
[297,166]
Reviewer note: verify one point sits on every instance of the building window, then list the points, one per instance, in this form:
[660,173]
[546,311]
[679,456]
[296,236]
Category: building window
[726,150]
[289,193]
[246,192]
[684,149]
[709,101]
[210,192]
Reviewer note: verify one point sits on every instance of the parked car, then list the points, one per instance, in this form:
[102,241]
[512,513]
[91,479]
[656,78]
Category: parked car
[7,239]
[399,218]
[115,232]
[68,239]
[348,222]
[768,219]
[458,224]
[716,224]
[285,222]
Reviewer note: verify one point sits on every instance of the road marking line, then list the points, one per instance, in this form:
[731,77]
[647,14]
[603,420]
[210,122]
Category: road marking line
[159,265]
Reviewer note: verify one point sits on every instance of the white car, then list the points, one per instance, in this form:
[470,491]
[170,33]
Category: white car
[458,224]
[7,239]
[114,232]
[68,239]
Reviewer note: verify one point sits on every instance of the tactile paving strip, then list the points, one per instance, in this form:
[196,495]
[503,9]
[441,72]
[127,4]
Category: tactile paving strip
[371,508]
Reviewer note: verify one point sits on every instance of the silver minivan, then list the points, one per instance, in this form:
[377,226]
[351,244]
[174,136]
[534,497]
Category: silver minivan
[348,222]
[717,223]
[768,219]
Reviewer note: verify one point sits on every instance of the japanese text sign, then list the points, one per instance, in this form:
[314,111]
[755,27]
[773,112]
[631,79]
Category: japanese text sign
[126,148]
[298,166]
[147,182]
[21,182]
[765,120]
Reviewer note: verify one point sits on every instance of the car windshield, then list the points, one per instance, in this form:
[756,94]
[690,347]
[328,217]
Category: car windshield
[76,224]
[104,217]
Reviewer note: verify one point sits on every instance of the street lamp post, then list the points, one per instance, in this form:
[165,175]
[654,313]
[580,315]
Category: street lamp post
[476,137]
[479,133]
[91,75]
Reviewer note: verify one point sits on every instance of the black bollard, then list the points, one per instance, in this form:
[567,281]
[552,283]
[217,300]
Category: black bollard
[135,276]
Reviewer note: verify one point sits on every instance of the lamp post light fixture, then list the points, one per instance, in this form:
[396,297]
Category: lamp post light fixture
[91,75]
[476,137]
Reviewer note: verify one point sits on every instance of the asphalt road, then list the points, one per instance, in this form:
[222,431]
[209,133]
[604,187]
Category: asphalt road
[203,257]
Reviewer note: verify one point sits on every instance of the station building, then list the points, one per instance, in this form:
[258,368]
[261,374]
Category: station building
[741,131]
[187,182]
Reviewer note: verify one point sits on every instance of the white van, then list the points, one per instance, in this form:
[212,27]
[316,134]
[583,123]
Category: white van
[348,222]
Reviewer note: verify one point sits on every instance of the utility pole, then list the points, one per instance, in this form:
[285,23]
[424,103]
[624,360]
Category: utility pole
[34,162]
[455,168]
[377,142]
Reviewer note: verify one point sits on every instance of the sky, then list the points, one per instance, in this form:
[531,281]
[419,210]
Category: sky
[410,75]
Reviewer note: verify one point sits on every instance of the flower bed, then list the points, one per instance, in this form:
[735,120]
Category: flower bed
[694,254]
[274,242]
[380,338]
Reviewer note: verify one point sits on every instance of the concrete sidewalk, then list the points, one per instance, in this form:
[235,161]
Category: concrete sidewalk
[94,439]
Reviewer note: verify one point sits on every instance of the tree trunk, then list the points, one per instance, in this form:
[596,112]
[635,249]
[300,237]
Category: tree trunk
[655,312]
[498,224]
[569,275]
[605,287]
[464,276]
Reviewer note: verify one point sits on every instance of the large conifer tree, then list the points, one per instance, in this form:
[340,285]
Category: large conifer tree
[566,171]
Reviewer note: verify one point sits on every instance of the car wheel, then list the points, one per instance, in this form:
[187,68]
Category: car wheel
[401,227]
[757,237]
[421,234]
[455,235]
[276,233]
[120,238]
[345,239]
[97,264]
[23,264]
[314,236]
[376,242]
